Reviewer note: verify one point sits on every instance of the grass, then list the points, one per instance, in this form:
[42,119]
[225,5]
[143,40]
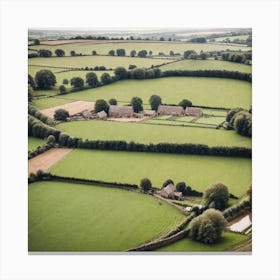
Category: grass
[44,103]
[92,61]
[219,113]
[209,64]
[156,47]
[145,133]
[229,239]
[212,120]
[130,167]
[73,217]
[213,92]
[240,37]
[33,143]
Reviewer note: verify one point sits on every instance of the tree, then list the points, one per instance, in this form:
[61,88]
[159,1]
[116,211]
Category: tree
[232,112]
[207,228]
[36,42]
[185,103]
[171,53]
[145,184]
[51,139]
[113,101]
[121,52]
[106,79]
[131,66]
[94,52]
[142,53]
[181,187]
[65,82]
[120,73]
[155,101]
[101,105]
[92,80]
[45,79]
[62,89]
[188,53]
[44,53]
[136,103]
[167,182]
[61,114]
[216,196]
[150,53]
[77,82]
[30,93]
[133,53]
[31,81]
[59,52]
[138,73]
[111,52]
[73,53]
[242,123]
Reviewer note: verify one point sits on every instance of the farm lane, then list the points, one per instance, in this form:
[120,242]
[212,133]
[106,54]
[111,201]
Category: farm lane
[72,107]
[46,160]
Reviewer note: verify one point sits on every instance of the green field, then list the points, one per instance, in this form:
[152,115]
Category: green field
[209,64]
[33,143]
[73,217]
[145,133]
[229,239]
[212,120]
[156,47]
[213,92]
[240,37]
[130,167]
[92,61]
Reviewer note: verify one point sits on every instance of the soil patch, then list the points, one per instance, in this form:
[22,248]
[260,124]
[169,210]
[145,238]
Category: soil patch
[72,107]
[46,160]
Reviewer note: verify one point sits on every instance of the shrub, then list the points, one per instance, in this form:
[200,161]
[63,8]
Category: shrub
[92,80]
[59,52]
[136,103]
[94,53]
[50,139]
[61,114]
[65,82]
[185,103]
[232,112]
[120,73]
[181,187]
[44,53]
[207,228]
[113,101]
[31,81]
[138,73]
[145,184]
[131,66]
[77,82]
[106,79]
[101,105]
[62,89]
[216,196]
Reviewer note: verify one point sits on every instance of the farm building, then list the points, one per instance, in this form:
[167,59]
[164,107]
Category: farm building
[170,110]
[169,192]
[193,111]
[149,113]
[120,111]
[102,115]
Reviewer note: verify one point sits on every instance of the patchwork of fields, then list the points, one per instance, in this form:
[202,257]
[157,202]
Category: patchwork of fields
[137,132]
[131,167]
[73,217]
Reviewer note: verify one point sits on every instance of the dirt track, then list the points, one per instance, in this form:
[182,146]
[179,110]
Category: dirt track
[72,107]
[46,160]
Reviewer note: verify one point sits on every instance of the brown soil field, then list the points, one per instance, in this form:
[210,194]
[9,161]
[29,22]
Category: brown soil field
[47,159]
[72,107]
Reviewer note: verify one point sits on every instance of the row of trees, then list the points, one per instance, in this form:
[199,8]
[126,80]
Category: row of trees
[237,57]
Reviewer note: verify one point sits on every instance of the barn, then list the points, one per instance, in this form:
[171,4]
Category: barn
[170,110]
[120,111]
[194,111]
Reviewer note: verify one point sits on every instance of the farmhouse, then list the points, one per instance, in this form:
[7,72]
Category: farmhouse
[120,111]
[169,192]
[170,110]
[193,111]
[102,115]
[149,113]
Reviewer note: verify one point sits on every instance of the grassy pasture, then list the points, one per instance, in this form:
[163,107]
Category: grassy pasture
[92,61]
[144,133]
[240,37]
[156,47]
[229,239]
[214,92]
[183,124]
[209,64]
[131,167]
[44,103]
[212,120]
[33,143]
[73,217]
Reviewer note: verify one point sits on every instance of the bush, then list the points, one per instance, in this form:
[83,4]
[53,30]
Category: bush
[50,139]
[155,101]
[138,73]
[94,53]
[131,66]
[77,82]
[232,112]
[216,196]
[30,93]
[62,89]
[59,52]
[106,79]
[181,187]
[65,82]
[45,79]
[120,73]
[61,114]
[101,105]
[92,80]
[31,81]
[44,53]
[185,103]
[242,123]
[145,184]
[136,103]
[113,101]
[207,228]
